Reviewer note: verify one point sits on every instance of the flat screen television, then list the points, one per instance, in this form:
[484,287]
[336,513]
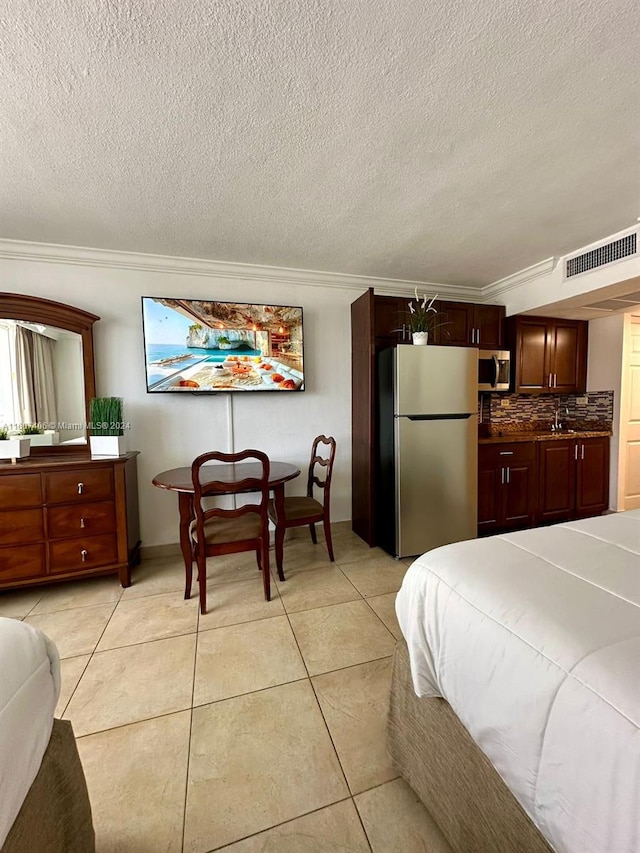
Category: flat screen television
[197,346]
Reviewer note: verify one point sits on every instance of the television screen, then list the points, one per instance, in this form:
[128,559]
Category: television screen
[197,346]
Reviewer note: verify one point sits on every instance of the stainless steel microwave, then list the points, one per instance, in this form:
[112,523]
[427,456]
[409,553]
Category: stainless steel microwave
[494,368]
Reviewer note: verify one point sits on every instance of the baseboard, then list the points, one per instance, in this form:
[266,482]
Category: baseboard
[156,552]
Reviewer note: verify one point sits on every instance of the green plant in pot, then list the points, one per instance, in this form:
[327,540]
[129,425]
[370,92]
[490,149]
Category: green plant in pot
[39,437]
[31,429]
[106,426]
[13,447]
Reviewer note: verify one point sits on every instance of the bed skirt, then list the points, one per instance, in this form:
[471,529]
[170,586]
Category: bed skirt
[436,755]
[56,814]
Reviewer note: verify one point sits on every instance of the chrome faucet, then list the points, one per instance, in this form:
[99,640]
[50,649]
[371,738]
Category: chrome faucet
[558,425]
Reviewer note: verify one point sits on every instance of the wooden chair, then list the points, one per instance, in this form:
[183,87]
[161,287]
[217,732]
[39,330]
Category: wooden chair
[307,510]
[217,531]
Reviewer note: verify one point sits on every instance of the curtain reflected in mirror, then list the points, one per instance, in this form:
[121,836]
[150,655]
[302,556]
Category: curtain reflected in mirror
[42,382]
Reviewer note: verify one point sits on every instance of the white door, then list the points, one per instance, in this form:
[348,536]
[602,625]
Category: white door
[629,459]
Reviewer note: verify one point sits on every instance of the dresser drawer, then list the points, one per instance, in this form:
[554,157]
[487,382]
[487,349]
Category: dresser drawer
[21,561]
[20,490]
[89,552]
[21,525]
[84,484]
[81,519]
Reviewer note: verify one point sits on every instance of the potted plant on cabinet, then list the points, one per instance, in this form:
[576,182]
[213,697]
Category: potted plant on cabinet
[13,447]
[423,318]
[106,427]
[38,436]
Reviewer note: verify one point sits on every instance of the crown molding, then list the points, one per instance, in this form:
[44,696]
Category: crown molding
[54,253]
[497,289]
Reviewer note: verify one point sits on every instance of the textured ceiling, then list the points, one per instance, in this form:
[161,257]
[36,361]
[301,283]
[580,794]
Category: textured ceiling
[444,141]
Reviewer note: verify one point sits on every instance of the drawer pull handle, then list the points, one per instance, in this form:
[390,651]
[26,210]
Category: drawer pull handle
[82,522]
[506,453]
[84,554]
[80,488]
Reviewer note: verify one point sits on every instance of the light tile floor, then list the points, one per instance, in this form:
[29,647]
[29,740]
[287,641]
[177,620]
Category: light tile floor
[257,728]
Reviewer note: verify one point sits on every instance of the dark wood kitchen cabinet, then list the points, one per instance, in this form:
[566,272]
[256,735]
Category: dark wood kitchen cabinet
[549,355]
[592,476]
[574,478]
[468,325]
[507,486]
[390,321]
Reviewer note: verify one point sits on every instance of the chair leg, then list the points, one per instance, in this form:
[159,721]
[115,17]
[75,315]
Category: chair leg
[188,579]
[266,575]
[327,535]
[202,583]
[312,531]
[280,550]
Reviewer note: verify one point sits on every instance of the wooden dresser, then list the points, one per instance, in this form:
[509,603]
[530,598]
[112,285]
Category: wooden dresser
[68,516]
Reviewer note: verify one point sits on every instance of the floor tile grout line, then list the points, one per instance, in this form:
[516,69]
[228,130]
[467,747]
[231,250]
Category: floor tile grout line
[276,825]
[133,722]
[63,711]
[98,651]
[186,781]
[315,696]
[382,620]
[364,828]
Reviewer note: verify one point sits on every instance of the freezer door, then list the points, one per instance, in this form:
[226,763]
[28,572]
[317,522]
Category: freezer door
[435,380]
[436,483]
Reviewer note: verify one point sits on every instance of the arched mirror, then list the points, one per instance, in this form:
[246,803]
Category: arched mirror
[47,375]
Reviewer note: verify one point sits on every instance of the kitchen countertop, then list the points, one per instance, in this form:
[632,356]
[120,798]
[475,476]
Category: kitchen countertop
[545,435]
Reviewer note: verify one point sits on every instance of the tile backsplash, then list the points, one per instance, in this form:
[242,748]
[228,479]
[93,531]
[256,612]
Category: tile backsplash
[536,411]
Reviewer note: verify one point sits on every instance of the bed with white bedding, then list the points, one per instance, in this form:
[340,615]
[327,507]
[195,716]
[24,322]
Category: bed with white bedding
[43,799]
[533,638]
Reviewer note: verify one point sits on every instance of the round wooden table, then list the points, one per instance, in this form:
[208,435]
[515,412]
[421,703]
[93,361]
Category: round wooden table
[179,480]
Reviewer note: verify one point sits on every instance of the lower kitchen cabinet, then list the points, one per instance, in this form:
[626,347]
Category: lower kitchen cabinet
[557,493]
[507,486]
[523,484]
[574,478]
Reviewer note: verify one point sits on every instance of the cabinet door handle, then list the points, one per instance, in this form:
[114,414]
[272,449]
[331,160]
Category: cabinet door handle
[575,453]
[502,476]
[84,554]
[82,522]
[582,454]
[477,336]
[555,380]
[549,381]
[508,475]
[80,488]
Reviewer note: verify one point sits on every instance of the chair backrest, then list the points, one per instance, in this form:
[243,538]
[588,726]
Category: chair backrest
[321,458]
[251,476]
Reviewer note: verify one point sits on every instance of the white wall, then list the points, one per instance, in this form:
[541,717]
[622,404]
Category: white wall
[170,430]
[604,373]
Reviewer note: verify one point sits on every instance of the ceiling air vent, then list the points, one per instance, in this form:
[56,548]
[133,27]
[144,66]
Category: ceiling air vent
[607,254]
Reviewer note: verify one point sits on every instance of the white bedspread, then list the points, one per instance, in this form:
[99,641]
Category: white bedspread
[534,640]
[29,689]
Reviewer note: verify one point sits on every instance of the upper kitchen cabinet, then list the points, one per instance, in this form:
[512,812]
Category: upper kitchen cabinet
[391,322]
[549,355]
[468,325]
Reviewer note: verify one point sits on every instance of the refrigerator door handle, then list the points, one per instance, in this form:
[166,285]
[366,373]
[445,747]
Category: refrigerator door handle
[457,417]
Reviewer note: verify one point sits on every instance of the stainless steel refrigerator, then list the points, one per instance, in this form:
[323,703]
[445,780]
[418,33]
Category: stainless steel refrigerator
[427,448]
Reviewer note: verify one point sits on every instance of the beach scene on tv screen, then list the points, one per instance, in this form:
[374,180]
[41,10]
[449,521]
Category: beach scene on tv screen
[196,345]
